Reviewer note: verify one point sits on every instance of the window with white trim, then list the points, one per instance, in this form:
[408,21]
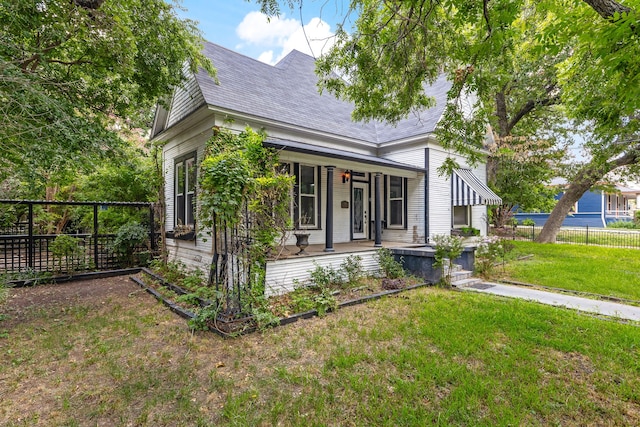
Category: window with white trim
[396,202]
[461,216]
[307,197]
[185,190]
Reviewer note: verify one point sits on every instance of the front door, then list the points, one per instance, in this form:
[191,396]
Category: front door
[360,217]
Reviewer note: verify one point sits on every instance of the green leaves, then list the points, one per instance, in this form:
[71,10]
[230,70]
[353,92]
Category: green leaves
[69,73]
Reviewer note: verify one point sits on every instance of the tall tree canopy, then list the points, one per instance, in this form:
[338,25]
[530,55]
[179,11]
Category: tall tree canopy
[533,65]
[74,71]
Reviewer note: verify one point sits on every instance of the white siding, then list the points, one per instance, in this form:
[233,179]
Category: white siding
[186,99]
[439,195]
[285,275]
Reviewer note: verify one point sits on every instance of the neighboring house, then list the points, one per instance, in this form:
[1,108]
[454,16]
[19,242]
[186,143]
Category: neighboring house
[342,168]
[596,208]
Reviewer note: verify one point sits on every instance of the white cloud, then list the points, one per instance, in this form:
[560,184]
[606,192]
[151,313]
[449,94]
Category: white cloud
[284,35]
[256,28]
[266,57]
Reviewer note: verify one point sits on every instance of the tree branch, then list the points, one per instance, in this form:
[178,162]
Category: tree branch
[608,8]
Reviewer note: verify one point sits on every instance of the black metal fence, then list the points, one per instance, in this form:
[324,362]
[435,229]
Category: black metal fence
[30,235]
[618,238]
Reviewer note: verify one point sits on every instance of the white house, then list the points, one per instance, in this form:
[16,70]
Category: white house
[366,184]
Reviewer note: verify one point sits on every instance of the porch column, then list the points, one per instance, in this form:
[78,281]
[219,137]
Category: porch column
[378,242]
[328,245]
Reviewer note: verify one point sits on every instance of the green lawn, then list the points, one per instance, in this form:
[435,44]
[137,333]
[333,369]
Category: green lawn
[600,270]
[424,357]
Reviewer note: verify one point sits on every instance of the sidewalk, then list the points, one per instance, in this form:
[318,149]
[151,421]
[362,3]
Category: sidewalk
[605,308]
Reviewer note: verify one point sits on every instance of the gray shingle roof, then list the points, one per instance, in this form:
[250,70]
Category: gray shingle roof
[288,93]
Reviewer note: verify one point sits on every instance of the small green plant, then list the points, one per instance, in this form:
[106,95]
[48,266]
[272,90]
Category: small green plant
[447,249]
[488,252]
[203,317]
[325,277]
[470,231]
[325,302]
[302,300]
[352,268]
[391,268]
[189,299]
[69,250]
[528,222]
[128,245]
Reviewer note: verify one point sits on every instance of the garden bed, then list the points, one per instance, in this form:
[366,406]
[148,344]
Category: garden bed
[303,303]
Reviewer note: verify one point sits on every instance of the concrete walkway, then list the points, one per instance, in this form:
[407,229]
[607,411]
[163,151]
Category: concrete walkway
[601,307]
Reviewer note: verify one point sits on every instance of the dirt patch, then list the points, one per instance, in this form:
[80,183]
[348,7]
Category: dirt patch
[22,302]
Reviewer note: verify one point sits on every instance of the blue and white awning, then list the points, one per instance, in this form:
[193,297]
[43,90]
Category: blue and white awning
[468,190]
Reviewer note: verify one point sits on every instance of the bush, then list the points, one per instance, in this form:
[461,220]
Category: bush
[326,277]
[448,248]
[352,268]
[623,224]
[128,245]
[487,254]
[391,268]
[528,222]
[70,250]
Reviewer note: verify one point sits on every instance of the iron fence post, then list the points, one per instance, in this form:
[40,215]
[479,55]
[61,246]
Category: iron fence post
[587,236]
[533,233]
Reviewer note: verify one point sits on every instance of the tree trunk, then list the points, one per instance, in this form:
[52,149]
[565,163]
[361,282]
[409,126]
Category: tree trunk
[585,179]
[571,195]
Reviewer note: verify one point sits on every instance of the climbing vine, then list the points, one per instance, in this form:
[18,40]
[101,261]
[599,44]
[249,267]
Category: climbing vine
[245,202]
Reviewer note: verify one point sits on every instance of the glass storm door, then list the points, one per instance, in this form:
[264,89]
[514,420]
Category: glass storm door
[360,203]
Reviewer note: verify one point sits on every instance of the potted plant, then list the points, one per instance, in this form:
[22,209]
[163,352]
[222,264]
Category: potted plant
[302,235]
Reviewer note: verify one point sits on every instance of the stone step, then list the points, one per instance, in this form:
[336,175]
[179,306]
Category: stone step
[464,283]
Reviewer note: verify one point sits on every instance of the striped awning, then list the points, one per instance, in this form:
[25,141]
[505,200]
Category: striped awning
[468,190]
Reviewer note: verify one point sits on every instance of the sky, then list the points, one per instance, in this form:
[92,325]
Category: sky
[238,25]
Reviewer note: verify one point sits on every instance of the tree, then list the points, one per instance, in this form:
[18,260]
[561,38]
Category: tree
[583,56]
[73,71]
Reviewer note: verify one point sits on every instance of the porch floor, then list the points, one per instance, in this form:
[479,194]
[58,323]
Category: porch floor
[341,248]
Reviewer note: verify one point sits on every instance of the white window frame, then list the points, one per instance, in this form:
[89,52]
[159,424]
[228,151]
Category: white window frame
[400,199]
[313,221]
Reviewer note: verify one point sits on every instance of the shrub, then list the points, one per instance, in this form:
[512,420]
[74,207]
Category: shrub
[391,268]
[352,268]
[528,222]
[623,224]
[488,252]
[69,249]
[127,245]
[447,248]
[325,277]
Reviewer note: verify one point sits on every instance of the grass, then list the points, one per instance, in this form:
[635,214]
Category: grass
[606,271]
[425,357]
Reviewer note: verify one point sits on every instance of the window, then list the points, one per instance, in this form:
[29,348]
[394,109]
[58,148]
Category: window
[396,202]
[461,216]
[185,190]
[307,197]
